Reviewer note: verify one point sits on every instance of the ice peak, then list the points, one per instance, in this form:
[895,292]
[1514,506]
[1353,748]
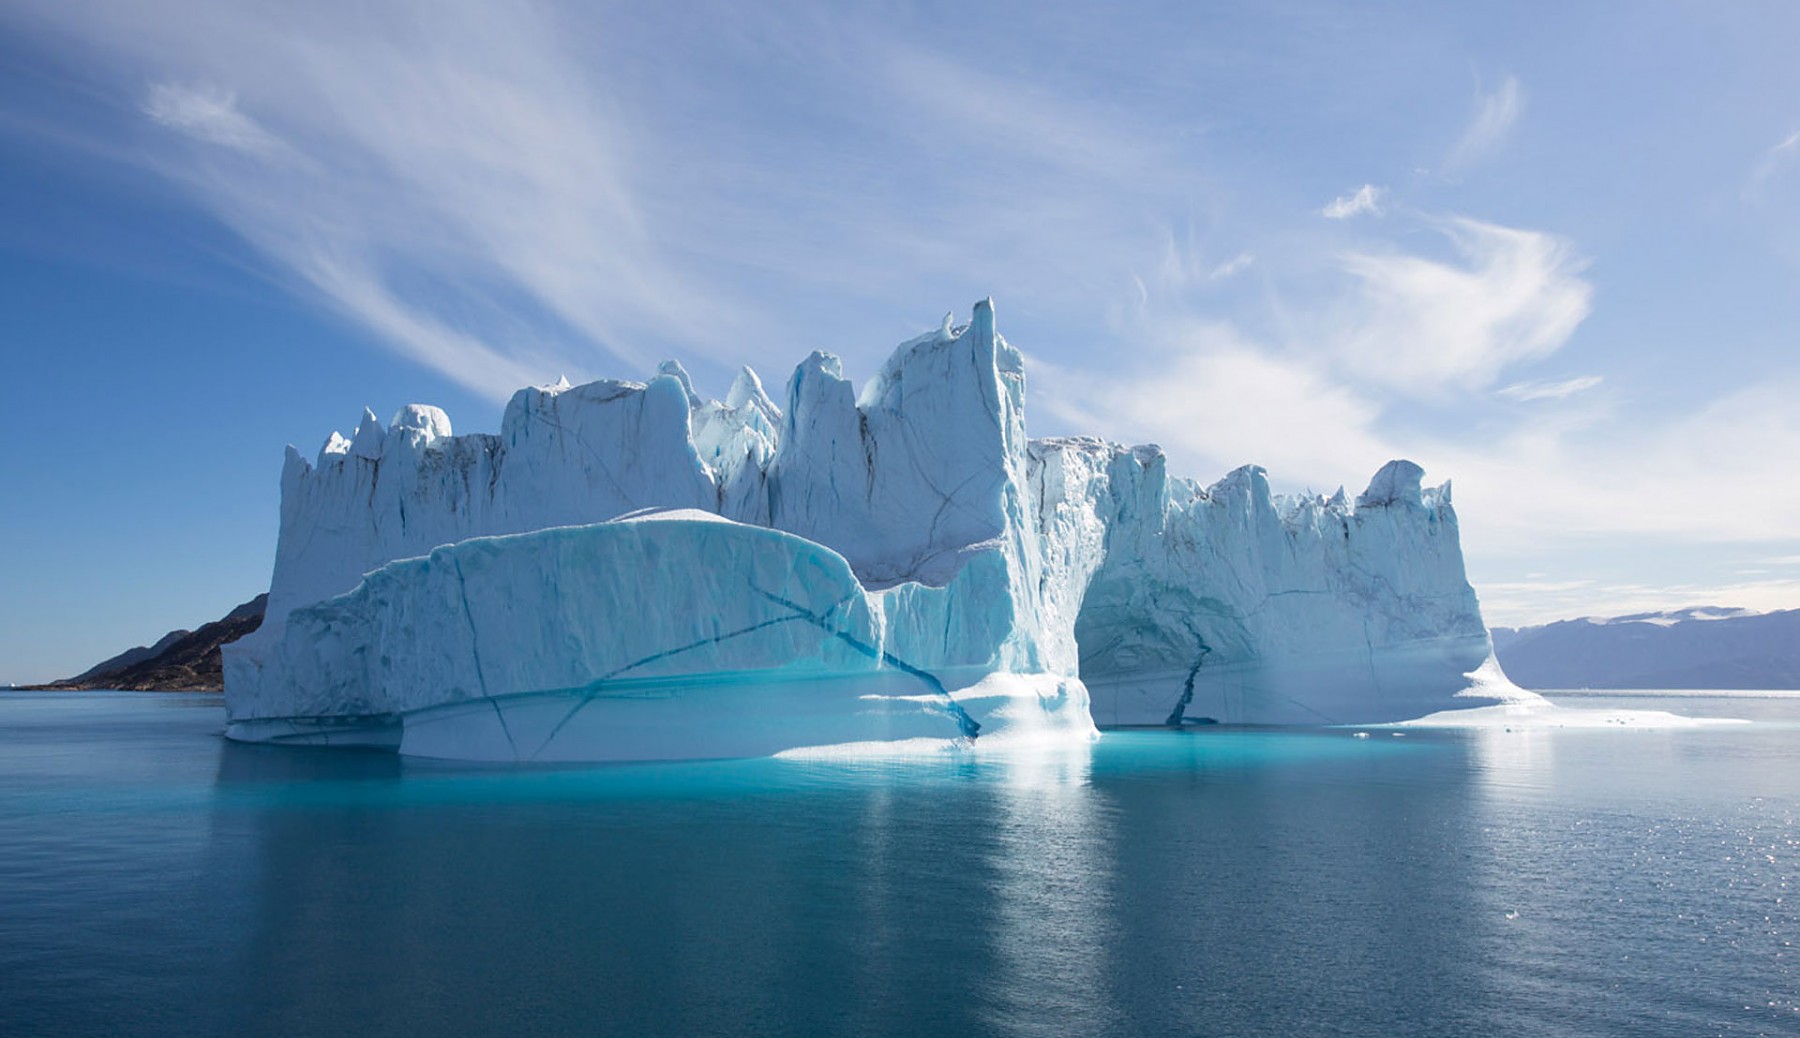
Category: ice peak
[673,369]
[816,388]
[982,322]
[1147,453]
[1398,482]
[369,436]
[818,368]
[335,447]
[422,418]
[1243,475]
[415,427]
[747,391]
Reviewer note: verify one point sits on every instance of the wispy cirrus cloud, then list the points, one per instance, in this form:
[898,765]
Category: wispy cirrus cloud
[1365,199]
[1524,392]
[1781,156]
[1496,112]
[1420,325]
[207,113]
[1217,399]
[455,180]
[1232,267]
[1321,408]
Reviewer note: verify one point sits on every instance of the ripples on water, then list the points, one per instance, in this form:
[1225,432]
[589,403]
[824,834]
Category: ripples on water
[157,880]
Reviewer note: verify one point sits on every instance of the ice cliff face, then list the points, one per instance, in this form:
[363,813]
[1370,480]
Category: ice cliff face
[628,570]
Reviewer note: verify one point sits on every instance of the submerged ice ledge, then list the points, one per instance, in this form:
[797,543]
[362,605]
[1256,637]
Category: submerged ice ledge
[630,571]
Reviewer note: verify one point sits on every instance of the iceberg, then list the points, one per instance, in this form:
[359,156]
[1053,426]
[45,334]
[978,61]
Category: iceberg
[629,571]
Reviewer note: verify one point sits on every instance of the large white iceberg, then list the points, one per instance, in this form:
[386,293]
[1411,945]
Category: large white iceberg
[629,571]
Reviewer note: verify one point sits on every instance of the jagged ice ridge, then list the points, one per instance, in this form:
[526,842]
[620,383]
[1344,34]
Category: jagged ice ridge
[629,571]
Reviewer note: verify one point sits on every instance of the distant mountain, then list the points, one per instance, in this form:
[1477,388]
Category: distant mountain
[1690,648]
[180,661]
[132,656]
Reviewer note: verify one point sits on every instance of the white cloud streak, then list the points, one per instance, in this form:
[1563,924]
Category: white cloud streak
[453,178]
[1422,326]
[1232,267]
[1773,162]
[1216,400]
[1524,392]
[1365,199]
[207,113]
[1495,114]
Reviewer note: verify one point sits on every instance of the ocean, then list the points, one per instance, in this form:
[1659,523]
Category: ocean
[156,879]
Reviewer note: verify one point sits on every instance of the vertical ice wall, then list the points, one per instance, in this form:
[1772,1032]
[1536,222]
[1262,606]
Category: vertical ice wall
[1230,603]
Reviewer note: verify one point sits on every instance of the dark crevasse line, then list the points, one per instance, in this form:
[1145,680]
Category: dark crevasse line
[595,687]
[968,725]
[462,588]
[1177,716]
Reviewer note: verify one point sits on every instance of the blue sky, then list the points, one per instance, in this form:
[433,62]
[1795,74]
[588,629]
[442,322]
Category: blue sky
[1547,250]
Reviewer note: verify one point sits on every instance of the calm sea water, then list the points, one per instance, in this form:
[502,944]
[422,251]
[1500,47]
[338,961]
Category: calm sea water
[155,879]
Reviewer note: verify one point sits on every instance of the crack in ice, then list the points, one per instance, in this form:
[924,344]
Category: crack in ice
[968,725]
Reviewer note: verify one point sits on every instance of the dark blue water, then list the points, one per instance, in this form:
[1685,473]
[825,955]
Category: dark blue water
[157,880]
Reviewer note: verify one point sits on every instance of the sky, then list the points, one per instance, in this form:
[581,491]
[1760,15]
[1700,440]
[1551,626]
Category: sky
[1548,251]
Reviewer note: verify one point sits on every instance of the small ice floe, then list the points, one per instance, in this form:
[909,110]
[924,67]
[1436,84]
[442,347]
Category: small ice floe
[1514,709]
[1519,717]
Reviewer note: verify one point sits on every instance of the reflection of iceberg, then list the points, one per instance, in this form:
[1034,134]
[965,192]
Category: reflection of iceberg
[898,564]
[1050,921]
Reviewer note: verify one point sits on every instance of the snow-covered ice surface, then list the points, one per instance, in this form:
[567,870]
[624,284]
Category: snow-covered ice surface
[629,571]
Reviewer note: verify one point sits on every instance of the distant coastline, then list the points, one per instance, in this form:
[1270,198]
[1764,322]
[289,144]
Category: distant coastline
[180,661]
[1699,648]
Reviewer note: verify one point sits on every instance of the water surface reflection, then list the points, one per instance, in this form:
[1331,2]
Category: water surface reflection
[161,881]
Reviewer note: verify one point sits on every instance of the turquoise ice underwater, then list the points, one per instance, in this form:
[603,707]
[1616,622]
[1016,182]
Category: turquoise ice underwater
[158,879]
